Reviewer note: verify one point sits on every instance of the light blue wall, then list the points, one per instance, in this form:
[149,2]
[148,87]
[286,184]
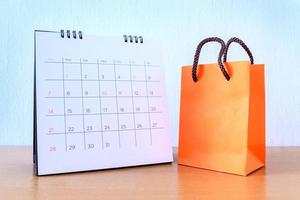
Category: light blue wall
[270,28]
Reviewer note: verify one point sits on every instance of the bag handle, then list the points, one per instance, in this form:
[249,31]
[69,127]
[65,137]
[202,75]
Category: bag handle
[240,42]
[197,54]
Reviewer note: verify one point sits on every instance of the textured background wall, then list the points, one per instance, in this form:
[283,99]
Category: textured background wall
[270,28]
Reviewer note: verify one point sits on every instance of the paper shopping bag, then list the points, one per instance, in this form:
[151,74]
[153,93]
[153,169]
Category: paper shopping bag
[222,113]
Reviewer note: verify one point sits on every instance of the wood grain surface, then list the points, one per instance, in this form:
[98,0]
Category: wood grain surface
[279,180]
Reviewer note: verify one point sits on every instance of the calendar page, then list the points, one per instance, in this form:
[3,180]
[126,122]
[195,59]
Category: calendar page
[100,103]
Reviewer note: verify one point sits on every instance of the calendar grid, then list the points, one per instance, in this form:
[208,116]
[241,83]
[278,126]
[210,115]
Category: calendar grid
[145,79]
[117,104]
[132,105]
[154,81]
[64,100]
[101,113]
[83,120]
[78,132]
[95,63]
[148,103]
[115,96]
[100,106]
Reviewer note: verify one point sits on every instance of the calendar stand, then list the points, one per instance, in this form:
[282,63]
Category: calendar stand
[96,105]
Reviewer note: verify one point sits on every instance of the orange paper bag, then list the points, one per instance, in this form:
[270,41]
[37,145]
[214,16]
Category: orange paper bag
[222,113]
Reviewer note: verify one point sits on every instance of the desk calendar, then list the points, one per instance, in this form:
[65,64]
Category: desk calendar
[99,103]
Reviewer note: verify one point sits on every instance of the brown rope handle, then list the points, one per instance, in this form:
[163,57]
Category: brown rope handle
[197,54]
[240,42]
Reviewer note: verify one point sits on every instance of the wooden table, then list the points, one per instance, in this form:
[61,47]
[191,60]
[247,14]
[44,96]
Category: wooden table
[279,180]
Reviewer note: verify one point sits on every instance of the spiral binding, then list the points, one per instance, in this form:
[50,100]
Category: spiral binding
[68,34]
[74,34]
[133,39]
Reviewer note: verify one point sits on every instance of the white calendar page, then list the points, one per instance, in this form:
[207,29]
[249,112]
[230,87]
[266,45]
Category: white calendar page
[100,103]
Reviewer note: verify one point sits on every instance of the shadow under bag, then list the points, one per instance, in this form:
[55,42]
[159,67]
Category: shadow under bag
[222,113]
